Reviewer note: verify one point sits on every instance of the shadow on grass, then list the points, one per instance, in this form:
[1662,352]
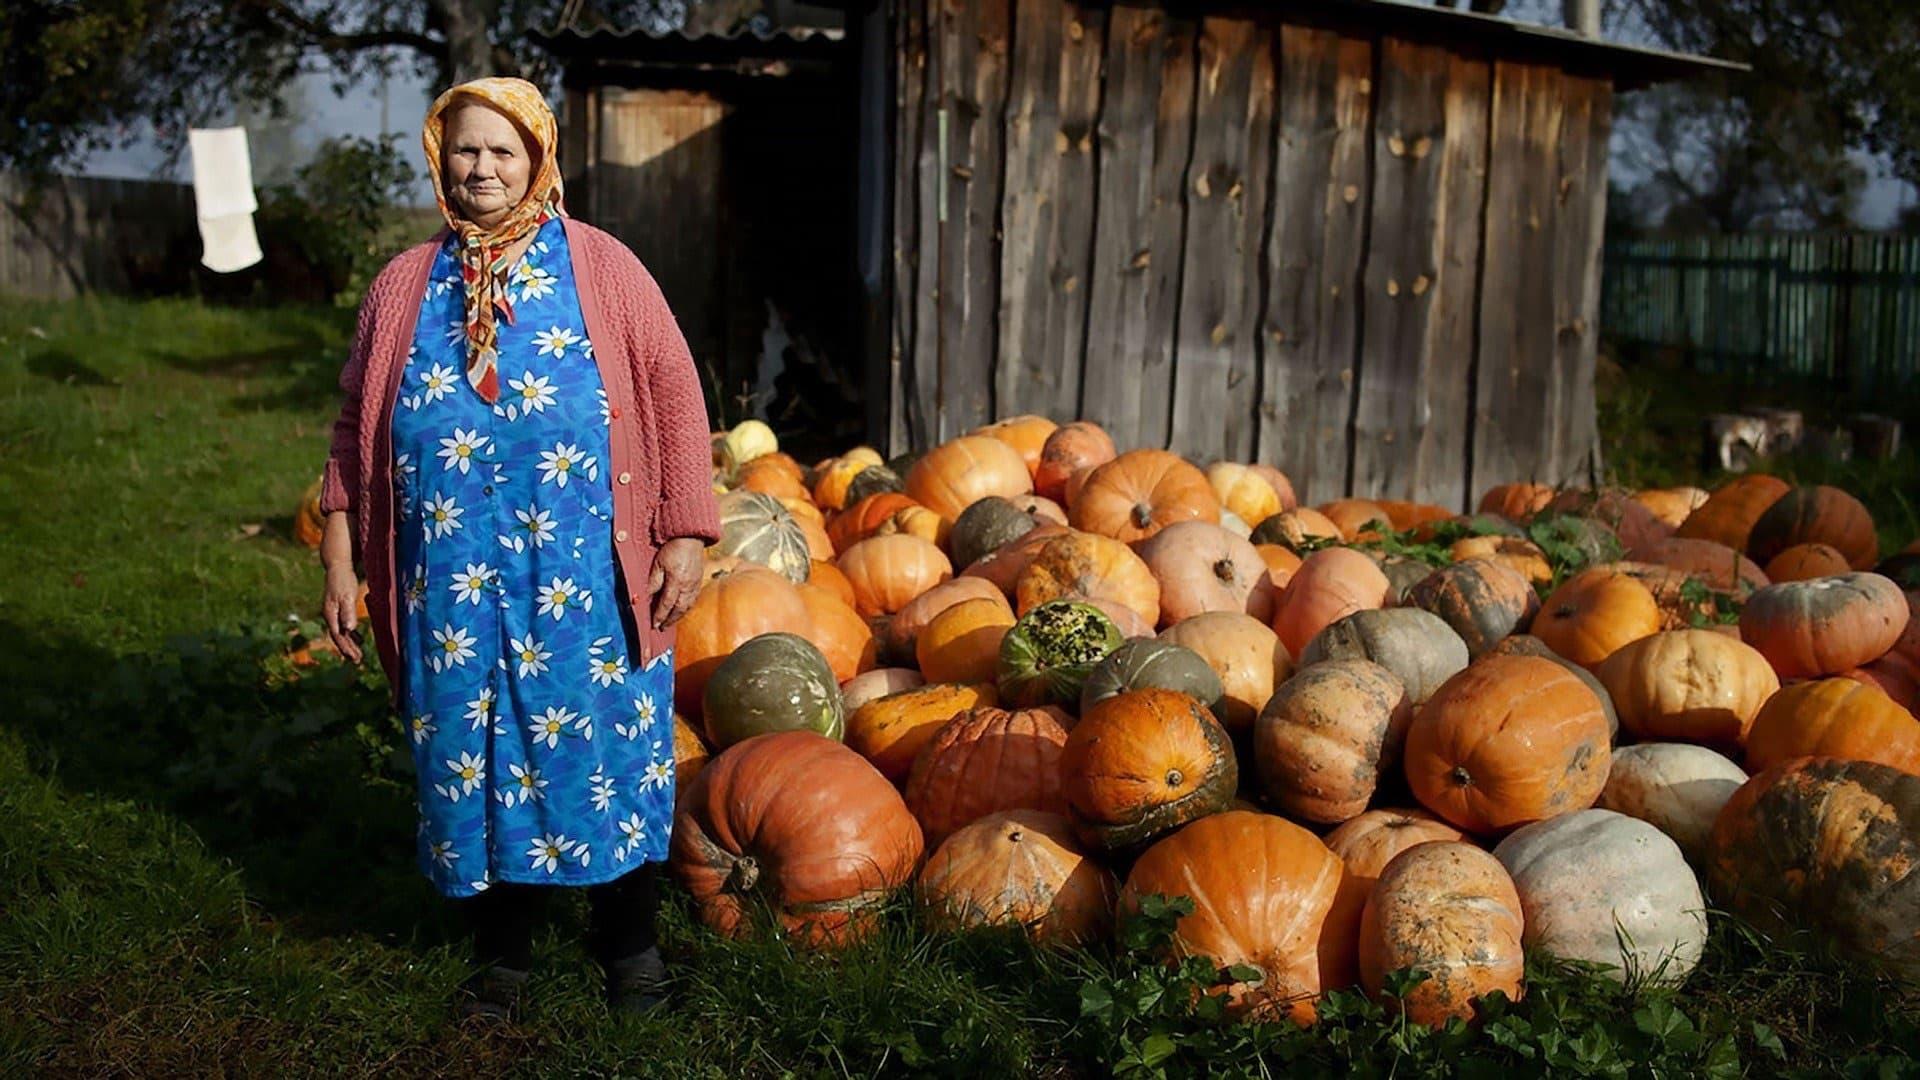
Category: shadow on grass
[298,376]
[61,366]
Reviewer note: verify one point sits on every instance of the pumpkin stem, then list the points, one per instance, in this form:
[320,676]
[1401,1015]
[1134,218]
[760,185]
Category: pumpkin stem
[1142,515]
[1461,776]
[1223,569]
[744,875]
[1175,777]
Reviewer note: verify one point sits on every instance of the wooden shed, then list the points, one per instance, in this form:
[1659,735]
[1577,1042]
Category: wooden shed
[1356,239]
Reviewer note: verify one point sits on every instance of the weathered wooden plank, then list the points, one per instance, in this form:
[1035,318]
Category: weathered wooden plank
[1145,128]
[904,415]
[1429,172]
[1053,97]
[972,38]
[1227,186]
[1516,380]
[1313,257]
[930,184]
[1579,231]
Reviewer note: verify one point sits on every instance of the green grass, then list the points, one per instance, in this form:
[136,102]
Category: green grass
[205,857]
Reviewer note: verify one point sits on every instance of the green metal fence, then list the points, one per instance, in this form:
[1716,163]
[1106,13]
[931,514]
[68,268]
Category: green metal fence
[1843,307]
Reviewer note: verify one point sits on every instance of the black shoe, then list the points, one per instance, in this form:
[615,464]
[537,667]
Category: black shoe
[637,985]
[492,992]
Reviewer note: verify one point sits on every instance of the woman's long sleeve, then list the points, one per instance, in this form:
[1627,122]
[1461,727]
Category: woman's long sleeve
[340,486]
[687,506]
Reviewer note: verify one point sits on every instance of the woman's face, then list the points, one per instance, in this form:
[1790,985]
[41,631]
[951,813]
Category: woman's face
[487,164]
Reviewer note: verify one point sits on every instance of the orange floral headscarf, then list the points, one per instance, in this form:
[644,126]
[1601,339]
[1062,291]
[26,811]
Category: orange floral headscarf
[483,252]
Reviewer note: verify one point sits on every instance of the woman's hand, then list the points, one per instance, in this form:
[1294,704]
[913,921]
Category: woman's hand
[676,579]
[342,593]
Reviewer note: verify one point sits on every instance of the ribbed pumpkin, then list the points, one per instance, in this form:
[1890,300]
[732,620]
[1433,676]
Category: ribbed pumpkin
[1516,553]
[1595,612]
[1145,762]
[690,755]
[1826,625]
[828,576]
[1719,566]
[1677,788]
[833,479]
[863,518]
[770,476]
[1144,662]
[1247,657]
[1482,600]
[1018,868]
[1329,585]
[1141,492]
[1818,514]
[1046,655]
[759,529]
[1671,506]
[1087,566]
[1323,741]
[1355,518]
[1688,685]
[1203,567]
[1827,846]
[899,639]
[1607,889]
[1728,515]
[984,527]
[986,760]
[878,683]
[842,636]
[1515,502]
[1245,491]
[1266,893]
[1369,842]
[1511,739]
[797,823]
[956,474]
[1071,447]
[1420,650]
[1027,434]
[1804,561]
[775,682]
[962,643]
[1838,718]
[1528,645]
[1295,529]
[1448,910]
[731,609]
[890,731]
[309,524]
[1004,567]
[887,572]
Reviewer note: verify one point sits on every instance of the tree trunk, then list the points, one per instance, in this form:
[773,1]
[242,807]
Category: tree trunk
[465,22]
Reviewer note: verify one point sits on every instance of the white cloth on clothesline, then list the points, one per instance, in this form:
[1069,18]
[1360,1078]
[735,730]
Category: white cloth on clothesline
[229,243]
[223,198]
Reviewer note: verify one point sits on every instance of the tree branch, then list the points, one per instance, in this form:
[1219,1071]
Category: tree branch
[325,37]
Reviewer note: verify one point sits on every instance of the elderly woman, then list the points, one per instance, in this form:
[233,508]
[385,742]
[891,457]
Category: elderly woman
[521,467]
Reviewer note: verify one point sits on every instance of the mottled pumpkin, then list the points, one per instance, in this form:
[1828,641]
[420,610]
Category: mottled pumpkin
[1511,739]
[878,683]
[774,682]
[1482,600]
[1323,741]
[1688,685]
[1826,625]
[1818,514]
[1448,910]
[1516,553]
[986,760]
[1595,612]
[1203,567]
[962,643]
[1046,656]
[1677,788]
[796,825]
[1004,567]
[1804,561]
[1145,662]
[887,572]
[1018,868]
[1829,847]
[1728,515]
[873,480]
[1837,718]
[1633,524]
[731,608]
[1295,529]
[1515,502]
[1369,842]
[1142,763]
[833,479]
[1267,894]
[1247,657]
[1420,649]
[890,731]
[984,527]
[759,529]
[1087,566]
[1329,585]
[1071,448]
[956,474]
[1141,492]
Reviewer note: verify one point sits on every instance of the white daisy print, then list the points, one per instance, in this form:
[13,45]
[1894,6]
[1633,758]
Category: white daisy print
[560,463]
[526,785]
[555,342]
[531,656]
[456,331]
[469,772]
[538,525]
[443,516]
[635,831]
[547,851]
[460,448]
[416,589]
[438,382]
[657,774]
[601,790]
[535,392]
[535,283]
[605,670]
[606,411]
[555,598]
[443,854]
[470,584]
[421,727]
[452,647]
[480,708]
[550,725]
[403,469]
[643,714]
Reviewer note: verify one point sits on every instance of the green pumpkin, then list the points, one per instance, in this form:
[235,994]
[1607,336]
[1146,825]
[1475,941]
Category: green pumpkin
[983,527]
[1143,663]
[873,480]
[757,528]
[774,682]
[1046,658]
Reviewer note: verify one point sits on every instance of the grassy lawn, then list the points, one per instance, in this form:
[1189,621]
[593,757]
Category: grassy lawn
[206,861]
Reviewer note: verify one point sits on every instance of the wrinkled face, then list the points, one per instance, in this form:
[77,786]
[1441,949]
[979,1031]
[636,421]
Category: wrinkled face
[487,167]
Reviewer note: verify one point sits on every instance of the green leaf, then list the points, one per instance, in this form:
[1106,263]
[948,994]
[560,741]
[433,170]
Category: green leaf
[1766,1039]
[1156,1049]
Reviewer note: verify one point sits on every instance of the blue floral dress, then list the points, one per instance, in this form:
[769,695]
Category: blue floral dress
[543,755]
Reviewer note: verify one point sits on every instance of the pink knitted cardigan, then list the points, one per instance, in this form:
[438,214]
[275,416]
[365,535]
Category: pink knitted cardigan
[657,427]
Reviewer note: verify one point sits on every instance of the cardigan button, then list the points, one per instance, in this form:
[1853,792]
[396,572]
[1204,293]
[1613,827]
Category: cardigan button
[613,412]
[626,478]
[621,536]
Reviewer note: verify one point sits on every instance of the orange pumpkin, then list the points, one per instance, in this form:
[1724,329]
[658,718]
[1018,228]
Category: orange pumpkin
[986,760]
[1266,893]
[1595,612]
[1202,567]
[1688,685]
[1511,739]
[798,825]
[828,576]
[1143,762]
[1893,676]
[1141,492]
[1720,567]
[1671,506]
[1244,491]
[1027,434]
[1040,508]
[1520,555]
[1353,516]
[730,610]
[900,638]
[1069,449]
[890,731]
[1816,515]
[887,572]
[1516,502]
[1281,564]
[1020,868]
[917,521]
[962,643]
[1450,911]
[1004,566]
[878,683]
[1329,585]
[954,475]
[1327,735]
[859,521]
[1837,718]
[1826,625]
[842,636]
[1244,653]
[1369,842]
[1087,566]
[772,478]
[1803,561]
[1728,515]
[832,479]
[1296,528]
[309,524]
[690,755]
[1407,516]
